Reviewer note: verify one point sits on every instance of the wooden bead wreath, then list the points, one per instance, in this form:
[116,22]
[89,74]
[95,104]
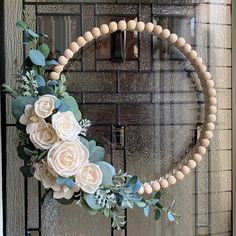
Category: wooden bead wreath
[205,77]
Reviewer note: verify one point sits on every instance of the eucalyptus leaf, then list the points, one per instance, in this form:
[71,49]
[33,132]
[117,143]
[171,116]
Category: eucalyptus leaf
[141,204]
[52,83]
[70,183]
[32,33]
[157,214]
[108,172]
[44,49]
[27,171]
[22,153]
[18,105]
[84,141]
[146,211]
[96,153]
[52,63]
[71,102]
[46,197]
[63,107]
[170,216]
[157,195]
[37,57]
[46,90]
[91,201]
[40,80]
[65,201]
[21,25]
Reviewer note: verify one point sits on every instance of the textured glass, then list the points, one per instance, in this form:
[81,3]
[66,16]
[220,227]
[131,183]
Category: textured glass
[61,31]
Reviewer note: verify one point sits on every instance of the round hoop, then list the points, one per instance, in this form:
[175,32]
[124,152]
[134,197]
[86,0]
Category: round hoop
[207,83]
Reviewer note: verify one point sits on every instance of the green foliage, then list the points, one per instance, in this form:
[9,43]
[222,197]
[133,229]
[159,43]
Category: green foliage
[91,201]
[44,49]
[40,80]
[46,90]
[71,102]
[18,105]
[46,197]
[27,171]
[108,172]
[65,201]
[37,57]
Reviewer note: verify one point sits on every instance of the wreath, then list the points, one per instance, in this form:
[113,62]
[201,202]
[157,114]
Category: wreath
[52,132]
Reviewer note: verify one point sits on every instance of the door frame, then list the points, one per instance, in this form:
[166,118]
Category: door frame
[234,117]
[2,126]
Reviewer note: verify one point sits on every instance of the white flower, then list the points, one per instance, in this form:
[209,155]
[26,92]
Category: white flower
[46,175]
[65,192]
[89,178]
[44,137]
[30,119]
[44,105]
[66,158]
[66,126]
[48,178]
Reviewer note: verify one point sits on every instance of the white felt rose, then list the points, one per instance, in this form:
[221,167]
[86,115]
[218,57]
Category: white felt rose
[44,137]
[89,178]
[65,192]
[46,175]
[44,106]
[66,125]
[66,158]
[30,119]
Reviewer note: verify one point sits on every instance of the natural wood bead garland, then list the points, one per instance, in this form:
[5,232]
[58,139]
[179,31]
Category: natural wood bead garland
[205,78]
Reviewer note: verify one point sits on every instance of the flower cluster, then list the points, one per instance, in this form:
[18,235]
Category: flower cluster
[55,149]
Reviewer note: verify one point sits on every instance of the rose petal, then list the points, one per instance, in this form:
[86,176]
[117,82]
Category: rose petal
[31,127]
[24,120]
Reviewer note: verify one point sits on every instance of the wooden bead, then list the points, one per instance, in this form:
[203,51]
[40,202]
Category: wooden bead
[202,68]
[74,47]
[172,38]
[164,183]
[201,150]
[210,126]
[140,26]
[68,53]
[206,75]
[212,109]
[58,68]
[96,32]
[131,25]
[113,26]
[197,61]
[171,180]
[81,41]
[122,25]
[197,157]
[192,164]
[141,191]
[186,48]
[62,60]
[205,142]
[212,101]
[156,186]
[209,83]
[211,92]
[211,118]
[208,134]
[165,34]
[149,27]
[180,42]
[192,55]
[54,75]
[104,29]
[157,30]
[88,36]
[185,170]
[147,188]
[179,175]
